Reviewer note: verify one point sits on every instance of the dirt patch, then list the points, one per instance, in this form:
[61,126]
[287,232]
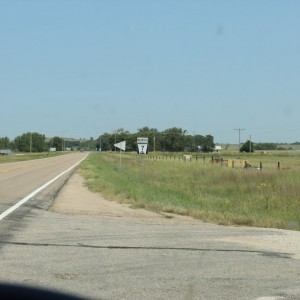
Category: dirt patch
[76,199]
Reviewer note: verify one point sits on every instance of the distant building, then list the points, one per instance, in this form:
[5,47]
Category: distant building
[217,149]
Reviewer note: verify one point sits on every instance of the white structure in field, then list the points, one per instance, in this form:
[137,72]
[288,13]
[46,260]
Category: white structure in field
[217,149]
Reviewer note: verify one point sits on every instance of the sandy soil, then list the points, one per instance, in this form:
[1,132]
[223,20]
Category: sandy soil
[76,199]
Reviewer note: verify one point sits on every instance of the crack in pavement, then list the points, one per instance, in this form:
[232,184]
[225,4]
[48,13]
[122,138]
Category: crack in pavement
[80,245]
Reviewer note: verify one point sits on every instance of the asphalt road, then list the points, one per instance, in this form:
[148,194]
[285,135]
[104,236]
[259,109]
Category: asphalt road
[116,258]
[17,180]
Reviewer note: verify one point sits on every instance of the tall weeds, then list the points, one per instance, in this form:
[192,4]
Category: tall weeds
[214,193]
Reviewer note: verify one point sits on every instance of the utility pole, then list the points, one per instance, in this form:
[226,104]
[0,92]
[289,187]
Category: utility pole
[194,142]
[30,143]
[239,130]
[250,143]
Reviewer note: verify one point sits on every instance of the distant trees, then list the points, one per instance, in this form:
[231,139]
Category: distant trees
[31,142]
[4,143]
[206,142]
[266,146]
[36,142]
[57,143]
[248,147]
[62,144]
[171,140]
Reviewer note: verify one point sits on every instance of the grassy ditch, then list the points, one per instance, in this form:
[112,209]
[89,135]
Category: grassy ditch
[210,192]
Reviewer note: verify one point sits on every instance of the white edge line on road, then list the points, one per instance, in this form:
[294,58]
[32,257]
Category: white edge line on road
[17,205]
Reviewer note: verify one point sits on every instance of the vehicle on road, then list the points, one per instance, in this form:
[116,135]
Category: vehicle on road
[5,151]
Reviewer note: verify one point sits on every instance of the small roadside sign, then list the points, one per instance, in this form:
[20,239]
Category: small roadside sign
[121,145]
[142,145]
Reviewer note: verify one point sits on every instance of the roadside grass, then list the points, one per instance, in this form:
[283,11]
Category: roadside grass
[210,192]
[28,156]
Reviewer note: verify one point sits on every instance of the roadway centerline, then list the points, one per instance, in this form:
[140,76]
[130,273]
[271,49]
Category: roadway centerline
[24,200]
[13,169]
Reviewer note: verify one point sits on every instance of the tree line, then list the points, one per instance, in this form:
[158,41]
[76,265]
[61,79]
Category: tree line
[249,146]
[37,142]
[170,140]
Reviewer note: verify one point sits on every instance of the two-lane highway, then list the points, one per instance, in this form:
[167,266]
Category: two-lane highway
[19,180]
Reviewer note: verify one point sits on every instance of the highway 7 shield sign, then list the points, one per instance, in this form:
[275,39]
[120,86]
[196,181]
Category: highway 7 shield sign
[142,145]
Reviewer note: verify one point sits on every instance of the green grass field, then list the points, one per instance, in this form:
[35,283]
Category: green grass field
[210,192]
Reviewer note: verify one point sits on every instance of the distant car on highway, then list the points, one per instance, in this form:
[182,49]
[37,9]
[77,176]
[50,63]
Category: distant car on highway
[5,151]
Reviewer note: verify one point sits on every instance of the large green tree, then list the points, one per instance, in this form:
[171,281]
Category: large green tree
[57,143]
[105,142]
[172,139]
[31,142]
[248,147]
[207,143]
[194,142]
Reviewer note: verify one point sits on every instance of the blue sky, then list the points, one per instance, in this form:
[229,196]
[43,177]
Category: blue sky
[79,68]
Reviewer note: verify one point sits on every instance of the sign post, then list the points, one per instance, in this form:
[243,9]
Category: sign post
[121,146]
